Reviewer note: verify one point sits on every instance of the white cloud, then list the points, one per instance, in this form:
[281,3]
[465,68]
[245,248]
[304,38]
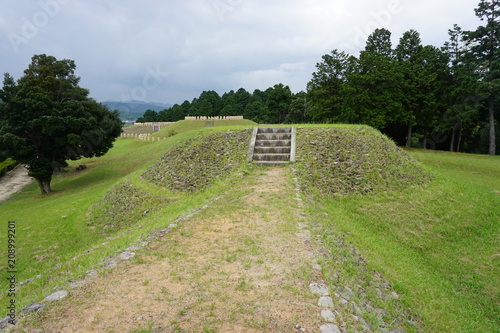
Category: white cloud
[212,44]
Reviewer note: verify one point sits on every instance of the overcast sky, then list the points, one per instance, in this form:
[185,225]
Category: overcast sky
[171,50]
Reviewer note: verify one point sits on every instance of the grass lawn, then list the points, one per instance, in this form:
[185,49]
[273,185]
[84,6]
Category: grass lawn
[192,125]
[54,243]
[438,245]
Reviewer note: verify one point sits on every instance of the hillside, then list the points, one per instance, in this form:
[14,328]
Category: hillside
[190,206]
[353,160]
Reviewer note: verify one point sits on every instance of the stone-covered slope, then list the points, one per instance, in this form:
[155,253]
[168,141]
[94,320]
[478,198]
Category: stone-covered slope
[353,160]
[197,163]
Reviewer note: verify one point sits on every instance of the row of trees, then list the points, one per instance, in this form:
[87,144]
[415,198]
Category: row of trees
[271,106]
[417,93]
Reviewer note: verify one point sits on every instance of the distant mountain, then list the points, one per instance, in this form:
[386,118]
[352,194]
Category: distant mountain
[131,110]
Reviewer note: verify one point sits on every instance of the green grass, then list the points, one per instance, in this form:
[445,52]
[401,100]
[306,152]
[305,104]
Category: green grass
[438,245]
[192,125]
[133,129]
[6,166]
[54,240]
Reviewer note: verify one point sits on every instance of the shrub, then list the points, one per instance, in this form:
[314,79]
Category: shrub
[6,166]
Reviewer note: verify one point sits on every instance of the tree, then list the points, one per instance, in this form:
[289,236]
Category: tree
[373,90]
[298,109]
[278,102]
[241,99]
[434,78]
[324,89]
[258,112]
[47,119]
[416,63]
[149,116]
[208,104]
[486,40]
[461,101]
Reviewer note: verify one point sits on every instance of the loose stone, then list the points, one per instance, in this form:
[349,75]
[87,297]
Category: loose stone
[319,289]
[304,235]
[329,328]
[325,301]
[34,308]
[26,281]
[327,316]
[132,248]
[56,296]
[76,284]
[4,322]
[109,264]
[127,255]
[91,274]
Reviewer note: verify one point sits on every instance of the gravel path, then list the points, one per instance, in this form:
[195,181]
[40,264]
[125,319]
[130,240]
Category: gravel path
[245,264]
[13,182]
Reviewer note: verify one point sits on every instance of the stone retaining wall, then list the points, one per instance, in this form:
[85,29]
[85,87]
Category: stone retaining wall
[214,118]
[145,137]
[153,124]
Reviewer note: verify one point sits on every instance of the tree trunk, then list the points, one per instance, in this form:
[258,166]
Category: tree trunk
[459,139]
[452,144]
[408,138]
[491,102]
[424,146]
[44,184]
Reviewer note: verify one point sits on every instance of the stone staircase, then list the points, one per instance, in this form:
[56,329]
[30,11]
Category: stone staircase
[272,146]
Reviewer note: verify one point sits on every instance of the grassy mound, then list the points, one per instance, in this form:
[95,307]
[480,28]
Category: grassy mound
[191,125]
[121,207]
[353,160]
[197,163]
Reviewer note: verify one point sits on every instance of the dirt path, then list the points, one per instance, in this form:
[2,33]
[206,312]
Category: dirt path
[13,182]
[237,267]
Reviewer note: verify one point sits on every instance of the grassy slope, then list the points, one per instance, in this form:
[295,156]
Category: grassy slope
[437,245]
[192,125]
[185,126]
[52,231]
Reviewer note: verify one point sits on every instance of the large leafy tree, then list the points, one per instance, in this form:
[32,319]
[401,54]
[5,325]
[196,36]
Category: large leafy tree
[149,116]
[47,119]
[298,109]
[278,102]
[373,90]
[486,47]
[208,104]
[324,91]
[462,103]
[424,70]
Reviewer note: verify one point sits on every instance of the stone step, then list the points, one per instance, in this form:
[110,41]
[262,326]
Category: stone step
[271,163]
[273,143]
[275,130]
[271,157]
[272,146]
[274,136]
[272,150]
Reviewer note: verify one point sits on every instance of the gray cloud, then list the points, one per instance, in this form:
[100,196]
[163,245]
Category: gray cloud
[196,45]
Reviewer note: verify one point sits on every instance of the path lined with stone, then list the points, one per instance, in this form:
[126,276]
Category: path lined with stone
[247,263]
